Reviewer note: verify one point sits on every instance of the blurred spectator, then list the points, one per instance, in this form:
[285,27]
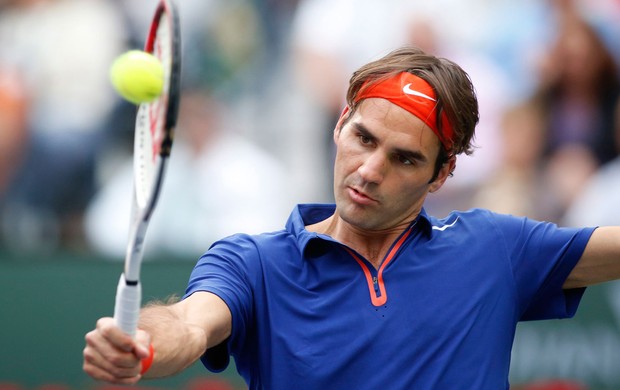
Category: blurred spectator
[604,16]
[276,16]
[597,203]
[516,188]
[63,49]
[13,125]
[579,88]
[565,174]
[217,184]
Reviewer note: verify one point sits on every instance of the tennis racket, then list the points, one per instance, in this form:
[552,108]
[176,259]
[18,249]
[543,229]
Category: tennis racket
[154,132]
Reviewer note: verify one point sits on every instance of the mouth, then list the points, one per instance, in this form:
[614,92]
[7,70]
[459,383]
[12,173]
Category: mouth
[360,197]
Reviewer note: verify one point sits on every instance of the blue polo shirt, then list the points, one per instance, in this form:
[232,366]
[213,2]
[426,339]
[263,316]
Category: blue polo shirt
[439,313]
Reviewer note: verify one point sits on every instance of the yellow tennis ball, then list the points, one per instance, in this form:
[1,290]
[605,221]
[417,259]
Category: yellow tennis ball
[137,76]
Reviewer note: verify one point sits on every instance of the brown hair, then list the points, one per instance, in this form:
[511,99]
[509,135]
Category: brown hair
[453,88]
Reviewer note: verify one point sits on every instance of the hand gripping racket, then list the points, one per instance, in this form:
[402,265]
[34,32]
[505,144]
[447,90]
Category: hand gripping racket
[154,130]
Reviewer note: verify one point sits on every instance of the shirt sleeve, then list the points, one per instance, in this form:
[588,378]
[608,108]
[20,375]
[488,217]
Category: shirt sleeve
[224,271]
[542,257]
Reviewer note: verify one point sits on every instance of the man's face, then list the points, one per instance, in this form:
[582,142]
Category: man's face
[384,161]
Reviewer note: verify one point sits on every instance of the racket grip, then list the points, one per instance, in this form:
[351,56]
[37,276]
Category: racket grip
[127,305]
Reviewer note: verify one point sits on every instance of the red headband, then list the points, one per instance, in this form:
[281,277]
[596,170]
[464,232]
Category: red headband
[415,95]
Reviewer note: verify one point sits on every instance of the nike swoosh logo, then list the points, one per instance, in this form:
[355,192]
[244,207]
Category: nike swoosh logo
[444,227]
[407,89]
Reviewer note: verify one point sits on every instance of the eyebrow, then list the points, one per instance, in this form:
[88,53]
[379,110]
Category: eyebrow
[409,154]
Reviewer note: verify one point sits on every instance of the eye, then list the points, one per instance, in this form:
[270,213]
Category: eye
[404,160]
[364,140]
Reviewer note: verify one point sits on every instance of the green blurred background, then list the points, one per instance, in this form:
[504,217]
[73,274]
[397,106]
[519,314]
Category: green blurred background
[49,304]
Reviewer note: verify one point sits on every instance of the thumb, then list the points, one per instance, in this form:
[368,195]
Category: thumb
[142,344]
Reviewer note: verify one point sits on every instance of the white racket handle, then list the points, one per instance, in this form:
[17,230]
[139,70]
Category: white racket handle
[127,306]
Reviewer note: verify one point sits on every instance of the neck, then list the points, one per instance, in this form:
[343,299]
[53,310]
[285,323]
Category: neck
[372,245]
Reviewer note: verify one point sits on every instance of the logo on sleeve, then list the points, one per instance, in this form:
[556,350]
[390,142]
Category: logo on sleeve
[444,227]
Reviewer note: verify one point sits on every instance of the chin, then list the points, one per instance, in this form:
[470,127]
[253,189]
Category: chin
[358,216]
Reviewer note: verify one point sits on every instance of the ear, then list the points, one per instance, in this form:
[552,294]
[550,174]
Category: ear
[444,173]
[343,117]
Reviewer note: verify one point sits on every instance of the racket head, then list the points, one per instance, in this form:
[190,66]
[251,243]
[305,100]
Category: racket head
[155,121]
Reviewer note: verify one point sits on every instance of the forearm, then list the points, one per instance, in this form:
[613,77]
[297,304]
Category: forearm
[179,333]
[600,261]
[177,343]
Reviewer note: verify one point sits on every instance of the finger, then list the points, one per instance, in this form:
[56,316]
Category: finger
[99,373]
[110,331]
[119,367]
[104,350]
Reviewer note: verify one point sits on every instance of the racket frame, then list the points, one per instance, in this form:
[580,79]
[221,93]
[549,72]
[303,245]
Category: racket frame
[129,289]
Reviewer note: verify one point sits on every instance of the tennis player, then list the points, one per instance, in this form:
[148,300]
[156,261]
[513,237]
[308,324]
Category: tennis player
[372,292]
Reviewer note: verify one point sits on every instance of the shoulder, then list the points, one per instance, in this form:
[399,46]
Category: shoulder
[459,219]
[244,240]
[483,224]
[244,256]
[249,247]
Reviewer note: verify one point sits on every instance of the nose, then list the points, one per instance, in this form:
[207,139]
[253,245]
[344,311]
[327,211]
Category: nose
[373,168]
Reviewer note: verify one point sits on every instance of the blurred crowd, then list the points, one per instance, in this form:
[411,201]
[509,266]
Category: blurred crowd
[263,84]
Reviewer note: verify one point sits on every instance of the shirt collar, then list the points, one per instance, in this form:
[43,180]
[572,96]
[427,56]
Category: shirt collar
[307,214]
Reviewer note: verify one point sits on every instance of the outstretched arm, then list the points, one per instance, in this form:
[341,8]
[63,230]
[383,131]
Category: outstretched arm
[180,333]
[600,261]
